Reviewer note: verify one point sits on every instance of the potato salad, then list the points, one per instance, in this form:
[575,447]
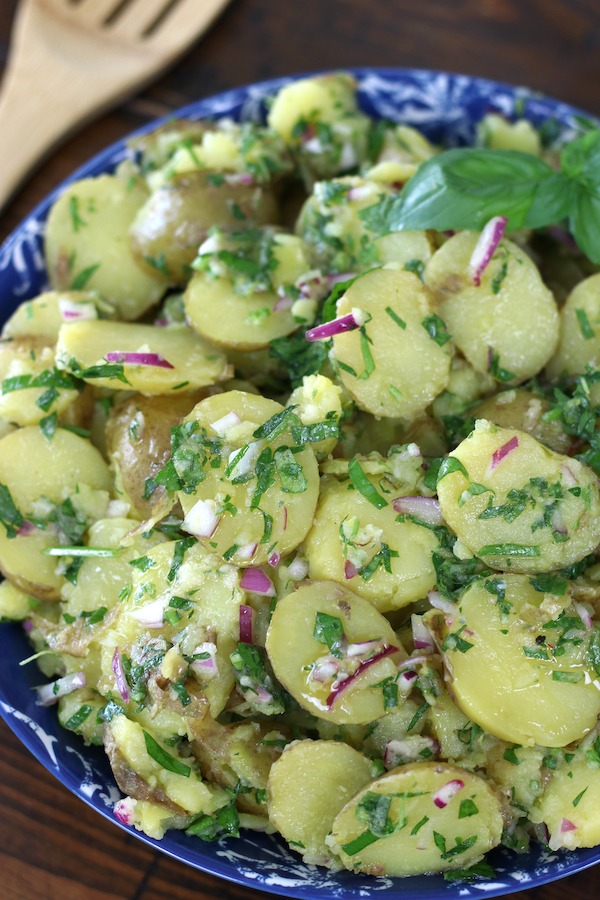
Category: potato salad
[299,483]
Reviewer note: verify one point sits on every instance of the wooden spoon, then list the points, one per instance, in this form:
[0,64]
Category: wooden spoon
[70,60]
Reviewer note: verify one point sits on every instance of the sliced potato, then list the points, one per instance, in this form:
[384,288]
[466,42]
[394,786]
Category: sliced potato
[28,359]
[168,229]
[32,467]
[391,366]
[273,514]
[293,652]
[14,603]
[184,361]
[491,324]
[518,504]
[407,833]
[354,543]
[579,344]
[44,316]
[508,679]
[87,245]
[569,807]
[524,410]
[139,442]
[308,786]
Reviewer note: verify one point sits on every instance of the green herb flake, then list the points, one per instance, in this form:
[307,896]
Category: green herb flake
[364,486]
[467,808]
[165,759]
[587,332]
[82,278]
[578,797]
[78,718]
[329,630]
[395,318]
[436,329]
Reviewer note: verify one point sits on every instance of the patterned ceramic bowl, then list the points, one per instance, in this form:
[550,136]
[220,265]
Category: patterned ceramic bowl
[447,108]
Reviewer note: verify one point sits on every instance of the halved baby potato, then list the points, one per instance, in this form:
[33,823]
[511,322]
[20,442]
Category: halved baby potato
[177,359]
[508,325]
[392,366]
[505,676]
[353,542]
[87,244]
[308,786]
[264,502]
[294,653]
[424,817]
[516,503]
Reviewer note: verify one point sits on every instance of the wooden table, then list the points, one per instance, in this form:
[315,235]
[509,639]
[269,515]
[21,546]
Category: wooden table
[52,847]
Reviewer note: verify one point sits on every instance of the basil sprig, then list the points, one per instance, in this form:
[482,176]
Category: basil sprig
[466,187]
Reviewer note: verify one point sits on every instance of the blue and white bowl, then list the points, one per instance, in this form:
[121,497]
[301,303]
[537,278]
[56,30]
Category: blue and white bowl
[447,108]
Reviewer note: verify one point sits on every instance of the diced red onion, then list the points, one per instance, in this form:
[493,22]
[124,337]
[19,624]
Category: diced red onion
[409,749]
[486,246]
[117,509]
[246,624]
[360,648]
[341,278]
[71,311]
[222,425]
[49,694]
[584,615]
[425,508]
[349,322]
[160,323]
[119,673]
[421,637]
[284,302]
[444,795]
[201,521]
[308,133]
[123,811]
[442,603]
[405,680]
[568,476]
[567,825]
[360,192]
[248,551]
[503,451]
[247,462]
[274,559]
[338,688]
[26,529]
[298,569]
[27,625]
[239,178]
[325,669]
[151,615]
[314,145]
[138,359]
[350,571]
[258,695]
[257,582]
[206,666]
[558,523]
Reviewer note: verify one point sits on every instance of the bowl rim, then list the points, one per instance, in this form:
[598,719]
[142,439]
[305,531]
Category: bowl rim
[41,745]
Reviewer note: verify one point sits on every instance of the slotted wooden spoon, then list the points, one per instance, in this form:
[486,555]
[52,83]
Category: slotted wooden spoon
[70,60]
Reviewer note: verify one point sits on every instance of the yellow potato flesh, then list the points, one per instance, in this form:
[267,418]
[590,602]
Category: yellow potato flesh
[28,356]
[579,343]
[291,513]
[412,572]
[413,850]
[308,786]
[410,368]
[507,693]
[194,363]
[292,651]
[524,335]
[87,244]
[525,544]
[42,316]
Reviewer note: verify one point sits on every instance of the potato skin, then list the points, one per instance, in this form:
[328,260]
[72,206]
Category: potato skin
[136,460]
[176,219]
[523,410]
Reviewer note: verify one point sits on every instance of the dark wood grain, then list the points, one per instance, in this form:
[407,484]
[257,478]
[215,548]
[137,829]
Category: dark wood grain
[52,846]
